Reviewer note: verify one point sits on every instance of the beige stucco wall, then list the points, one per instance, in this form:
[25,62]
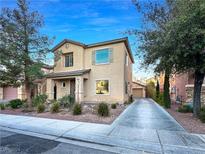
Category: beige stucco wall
[128,74]
[78,58]
[62,91]
[21,92]
[114,72]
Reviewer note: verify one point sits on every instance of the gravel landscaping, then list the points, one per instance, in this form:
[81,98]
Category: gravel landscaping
[89,114]
[191,124]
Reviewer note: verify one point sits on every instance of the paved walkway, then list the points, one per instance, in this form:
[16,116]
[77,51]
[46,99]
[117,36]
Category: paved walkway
[144,125]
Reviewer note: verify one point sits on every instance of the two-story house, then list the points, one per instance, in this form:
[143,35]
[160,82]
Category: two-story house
[92,73]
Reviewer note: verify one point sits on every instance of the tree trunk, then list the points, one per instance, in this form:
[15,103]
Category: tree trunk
[28,93]
[157,90]
[198,81]
[167,101]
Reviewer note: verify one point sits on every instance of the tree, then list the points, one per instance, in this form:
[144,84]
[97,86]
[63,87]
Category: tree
[166,96]
[176,42]
[23,47]
[150,90]
[155,49]
[157,90]
[187,32]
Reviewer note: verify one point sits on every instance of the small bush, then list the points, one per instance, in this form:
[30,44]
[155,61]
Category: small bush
[114,106]
[41,108]
[103,109]
[15,104]
[203,109]
[202,115]
[77,109]
[130,100]
[2,107]
[160,99]
[185,109]
[126,103]
[67,101]
[39,99]
[55,107]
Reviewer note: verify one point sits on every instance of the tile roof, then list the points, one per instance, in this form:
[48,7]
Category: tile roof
[124,39]
[69,73]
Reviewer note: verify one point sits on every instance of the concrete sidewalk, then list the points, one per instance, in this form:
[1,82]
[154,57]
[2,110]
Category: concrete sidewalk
[142,126]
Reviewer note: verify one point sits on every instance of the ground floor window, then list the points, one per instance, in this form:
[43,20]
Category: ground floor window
[102,86]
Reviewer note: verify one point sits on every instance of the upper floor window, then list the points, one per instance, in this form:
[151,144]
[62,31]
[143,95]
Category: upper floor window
[103,56]
[69,60]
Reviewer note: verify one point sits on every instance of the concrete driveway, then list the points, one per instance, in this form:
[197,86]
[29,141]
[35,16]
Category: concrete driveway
[143,126]
[146,114]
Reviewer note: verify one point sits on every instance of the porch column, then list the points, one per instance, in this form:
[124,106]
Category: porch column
[79,89]
[49,88]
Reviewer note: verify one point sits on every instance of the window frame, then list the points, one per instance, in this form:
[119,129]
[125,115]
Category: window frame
[108,86]
[108,49]
[68,54]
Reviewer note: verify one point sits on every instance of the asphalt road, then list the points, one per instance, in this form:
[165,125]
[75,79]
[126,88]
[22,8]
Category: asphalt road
[13,143]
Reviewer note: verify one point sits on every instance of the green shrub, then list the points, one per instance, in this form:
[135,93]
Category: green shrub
[203,109]
[67,101]
[202,116]
[77,109]
[103,109]
[2,107]
[15,104]
[55,107]
[40,108]
[160,99]
[114,106]
[130,100]
[150,90]
[185,109]
[39,99]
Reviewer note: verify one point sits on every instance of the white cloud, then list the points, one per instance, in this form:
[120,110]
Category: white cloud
[103,21]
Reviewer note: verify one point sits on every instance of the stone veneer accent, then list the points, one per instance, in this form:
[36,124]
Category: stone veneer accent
[189,93]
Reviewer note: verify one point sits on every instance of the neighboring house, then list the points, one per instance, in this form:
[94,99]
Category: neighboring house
[92,73]
[10,92]
[182,87]
[138,89]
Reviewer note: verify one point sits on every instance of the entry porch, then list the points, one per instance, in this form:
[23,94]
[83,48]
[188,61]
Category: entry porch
[67,83]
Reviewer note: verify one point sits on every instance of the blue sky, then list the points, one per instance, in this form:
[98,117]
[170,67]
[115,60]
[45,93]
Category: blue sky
[88,21]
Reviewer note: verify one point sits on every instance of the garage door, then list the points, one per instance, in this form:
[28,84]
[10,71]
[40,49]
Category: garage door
[9,93]
[137,92]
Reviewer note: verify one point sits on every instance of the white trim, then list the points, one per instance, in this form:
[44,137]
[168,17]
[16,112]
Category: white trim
[108,86]
[192,85]
[108,56]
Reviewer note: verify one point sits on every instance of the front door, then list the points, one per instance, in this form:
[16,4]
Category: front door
[72,88]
